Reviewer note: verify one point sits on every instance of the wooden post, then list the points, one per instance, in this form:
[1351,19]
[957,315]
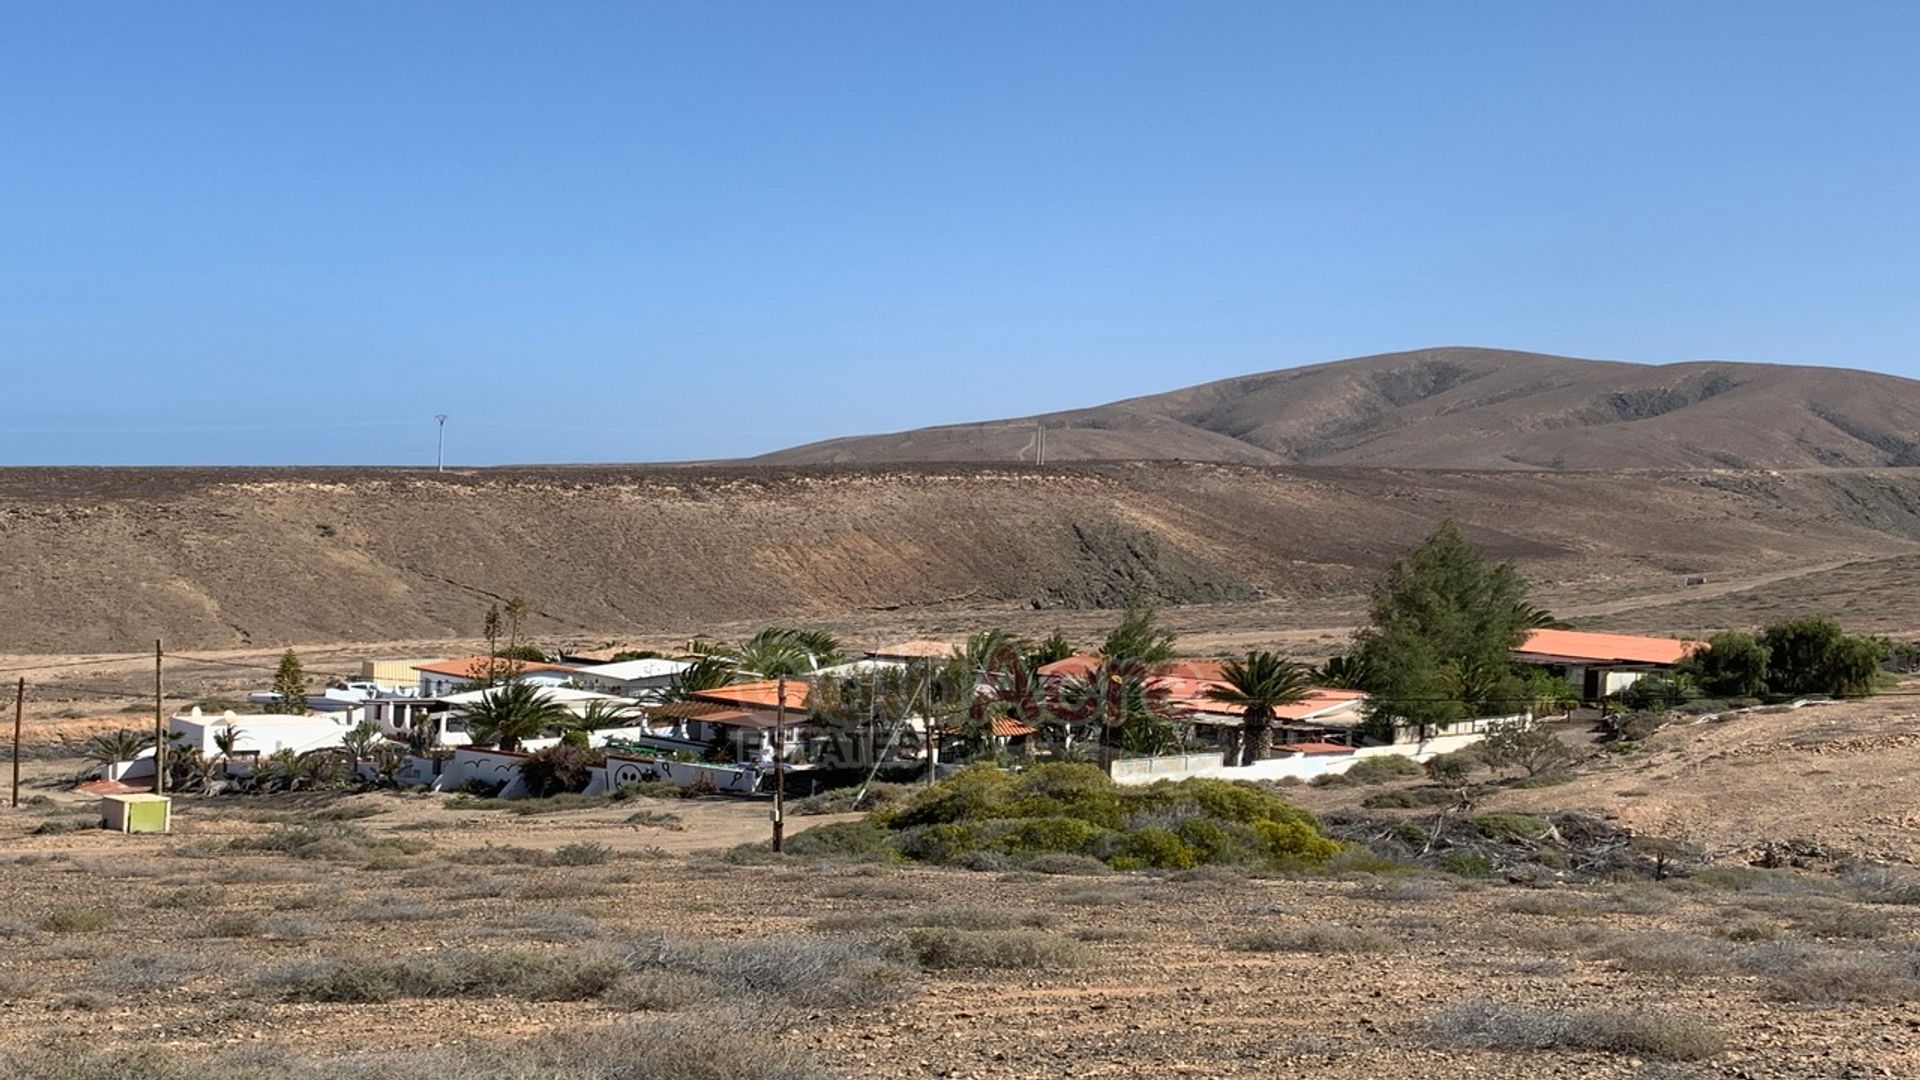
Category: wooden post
[159,728]
[19,705]
[779,761]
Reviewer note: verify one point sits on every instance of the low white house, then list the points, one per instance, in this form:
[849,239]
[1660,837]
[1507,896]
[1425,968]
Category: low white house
[449,711]
[259,733]
[643,679]
[452,676]
[1601,665]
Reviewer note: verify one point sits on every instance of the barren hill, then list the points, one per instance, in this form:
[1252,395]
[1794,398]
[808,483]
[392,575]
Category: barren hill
[110,559]
[1461,408]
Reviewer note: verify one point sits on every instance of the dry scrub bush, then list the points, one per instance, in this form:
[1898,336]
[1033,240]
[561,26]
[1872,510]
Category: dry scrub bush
[680,1048]
[76,920]
[1494,1026]
[950,917]
[1666,953]
[943,949]
[529,976]
[872,889]
[806,973]
[1314,939]
[1815,975]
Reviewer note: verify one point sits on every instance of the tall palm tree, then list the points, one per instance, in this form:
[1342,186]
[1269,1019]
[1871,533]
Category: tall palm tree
[708,671]
[785,650]
[513,713]
[1259,684]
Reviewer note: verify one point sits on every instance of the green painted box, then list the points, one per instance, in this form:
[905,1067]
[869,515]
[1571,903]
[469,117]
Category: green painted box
[137,813]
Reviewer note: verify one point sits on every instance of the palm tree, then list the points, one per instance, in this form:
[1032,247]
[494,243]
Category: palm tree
[708,671]
[110,748]
[227,740]
[605,714]
[1346,671]
[1259,684]
[1138,639]
[1129,709]
[787,651]
[513,713]
[991,649]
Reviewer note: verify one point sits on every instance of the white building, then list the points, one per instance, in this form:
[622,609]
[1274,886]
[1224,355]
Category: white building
[443,677]
[264,734]
[640,679]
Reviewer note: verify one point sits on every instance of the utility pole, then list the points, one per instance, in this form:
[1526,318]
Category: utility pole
[440,448]
[19,705]
[1040,438]
[779,761]
[933,733]
[159,727]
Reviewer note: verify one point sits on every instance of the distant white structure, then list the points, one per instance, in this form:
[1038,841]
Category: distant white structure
[259,733]
[642,679]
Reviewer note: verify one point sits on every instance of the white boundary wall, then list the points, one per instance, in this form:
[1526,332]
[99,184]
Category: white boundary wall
[1299,766]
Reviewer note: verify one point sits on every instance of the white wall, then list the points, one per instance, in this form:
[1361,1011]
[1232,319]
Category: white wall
[1299,767]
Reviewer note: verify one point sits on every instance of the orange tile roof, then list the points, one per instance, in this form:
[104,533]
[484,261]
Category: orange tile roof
[1605,648]
[472,667]
[757,695]
[1004,727]
[1318,700]
[1077,666]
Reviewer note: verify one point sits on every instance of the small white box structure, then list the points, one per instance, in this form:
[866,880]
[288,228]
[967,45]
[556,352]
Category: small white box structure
[137,813]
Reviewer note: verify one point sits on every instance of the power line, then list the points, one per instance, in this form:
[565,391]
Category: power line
[76,663]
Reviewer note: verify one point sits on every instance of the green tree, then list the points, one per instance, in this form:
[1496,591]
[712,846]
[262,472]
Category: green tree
[1054,646]
[1733,664]
[1138,639]
[290,683]
[1444,621]
[1524,746]
[1814,656]
[1259,683]
[512,713]
[784,650]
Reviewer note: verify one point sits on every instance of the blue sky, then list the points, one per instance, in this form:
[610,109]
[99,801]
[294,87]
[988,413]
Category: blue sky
[281,234]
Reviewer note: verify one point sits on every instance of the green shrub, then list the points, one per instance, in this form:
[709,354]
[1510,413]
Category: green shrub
[584,853]
[1075,811]
[560,769]
[1512,826]
[861,841]
[1383,768]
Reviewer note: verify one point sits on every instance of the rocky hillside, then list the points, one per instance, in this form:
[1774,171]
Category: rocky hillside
[1461,408]
[111,559]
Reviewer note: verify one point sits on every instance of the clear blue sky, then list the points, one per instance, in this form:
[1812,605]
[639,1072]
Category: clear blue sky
[291,233]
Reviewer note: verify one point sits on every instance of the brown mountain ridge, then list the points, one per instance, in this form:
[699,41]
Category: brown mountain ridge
[1459,408]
